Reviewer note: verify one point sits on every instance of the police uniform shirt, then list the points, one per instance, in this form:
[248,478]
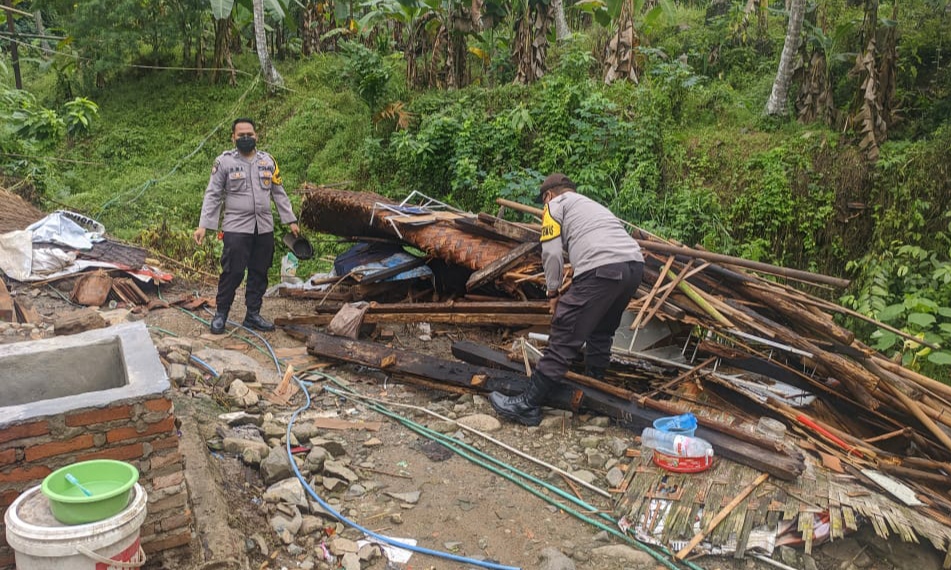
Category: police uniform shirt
[592,235]
[244,188]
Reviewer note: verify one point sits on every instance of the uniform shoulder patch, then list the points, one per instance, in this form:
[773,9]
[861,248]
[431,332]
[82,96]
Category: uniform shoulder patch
[276,177]
[550,227]
[216,166]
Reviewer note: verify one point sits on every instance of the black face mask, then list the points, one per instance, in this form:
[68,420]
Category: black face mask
[245,144]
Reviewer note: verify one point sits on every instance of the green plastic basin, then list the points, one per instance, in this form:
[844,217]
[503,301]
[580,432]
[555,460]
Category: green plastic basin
[109,482]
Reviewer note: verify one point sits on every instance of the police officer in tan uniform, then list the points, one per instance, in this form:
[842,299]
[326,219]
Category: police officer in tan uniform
[607,264]
[243,183]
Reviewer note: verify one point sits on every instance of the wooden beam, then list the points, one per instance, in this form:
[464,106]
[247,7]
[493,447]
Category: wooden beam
[8,311]
[511,230]
[499,319]
[499,266]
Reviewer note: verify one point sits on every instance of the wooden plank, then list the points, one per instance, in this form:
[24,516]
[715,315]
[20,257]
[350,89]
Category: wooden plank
[8,311]
[499,266]
[385,274]
[511,230]
[78,321]
[475,353]
[26,313]
[499,319]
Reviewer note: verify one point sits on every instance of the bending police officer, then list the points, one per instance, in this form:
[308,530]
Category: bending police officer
[608,267]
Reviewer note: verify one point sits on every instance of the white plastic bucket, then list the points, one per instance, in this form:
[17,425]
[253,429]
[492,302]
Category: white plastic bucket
[40,542]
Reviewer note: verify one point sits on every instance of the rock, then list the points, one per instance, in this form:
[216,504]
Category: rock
[177,374]
[369,552]
[287,519]
[239,446]
[314,463]
[481,422]
[590,442]
[586,476]
[615,476]
[809,563]
[310,524]
[334,448]
[373,442]
[599,422]
[596,458]
[331,483]
[351,560]
[289,491]
[272,429]
[340,546]
[232,365]
[241,395]
[788,556]
[240,418]
[338,469]
[553,559]
[356,490]
[276,466]
[555,420]
[252,456]
[624,552]
[411,497]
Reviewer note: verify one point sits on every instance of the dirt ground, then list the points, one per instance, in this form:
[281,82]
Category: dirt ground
[462,507]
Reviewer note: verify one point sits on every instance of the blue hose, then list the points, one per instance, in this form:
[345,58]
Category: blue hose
[366,531]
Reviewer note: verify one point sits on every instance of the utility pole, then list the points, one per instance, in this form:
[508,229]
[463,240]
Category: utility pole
[15,56]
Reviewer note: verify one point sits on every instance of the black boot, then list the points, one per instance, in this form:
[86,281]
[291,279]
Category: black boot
[595,372]
[254,320]
[218,322]
[526,407]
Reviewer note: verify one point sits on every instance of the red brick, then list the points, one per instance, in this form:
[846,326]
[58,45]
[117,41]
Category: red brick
[158,405]
[120,434]
[99,416]
[121,453]
[7,497]
[164,443]
[25,474]
[167,543]
[24,430]
[169,480]
[177,521]
[173,502]
[159,461]
[59,447]
[8,456]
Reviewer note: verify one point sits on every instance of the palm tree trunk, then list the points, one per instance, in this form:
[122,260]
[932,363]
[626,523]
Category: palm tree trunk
[776,105]
[273,78]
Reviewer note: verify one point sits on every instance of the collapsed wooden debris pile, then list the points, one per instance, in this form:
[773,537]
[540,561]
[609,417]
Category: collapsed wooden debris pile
[747,347]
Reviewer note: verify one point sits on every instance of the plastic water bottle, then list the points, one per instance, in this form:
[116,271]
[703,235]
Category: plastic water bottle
[677,445]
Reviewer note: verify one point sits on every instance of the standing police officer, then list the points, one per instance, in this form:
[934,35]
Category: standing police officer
[244,181]
[608,267]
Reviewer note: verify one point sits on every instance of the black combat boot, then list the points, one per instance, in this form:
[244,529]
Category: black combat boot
[595,372]
[526,407]
[254,320]
[218,322]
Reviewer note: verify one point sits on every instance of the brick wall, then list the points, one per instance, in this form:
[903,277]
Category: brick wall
[141,432]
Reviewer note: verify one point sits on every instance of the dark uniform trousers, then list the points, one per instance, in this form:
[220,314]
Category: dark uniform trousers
[254,252]
[589,311]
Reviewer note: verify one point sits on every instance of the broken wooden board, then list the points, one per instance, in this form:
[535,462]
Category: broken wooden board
[338,424]
[8,311]
[78,321]
[500,266]
[26,313]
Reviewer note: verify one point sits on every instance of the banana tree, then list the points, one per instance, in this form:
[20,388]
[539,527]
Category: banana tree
[530,47]
[630,21]
[411,17]
[822,50]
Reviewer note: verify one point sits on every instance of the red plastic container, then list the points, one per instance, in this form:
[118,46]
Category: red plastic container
[682,464]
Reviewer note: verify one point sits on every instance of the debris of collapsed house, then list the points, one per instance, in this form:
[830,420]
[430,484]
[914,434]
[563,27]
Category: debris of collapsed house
[721,341]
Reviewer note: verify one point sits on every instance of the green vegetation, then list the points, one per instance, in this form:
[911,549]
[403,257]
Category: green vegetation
[402,95]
